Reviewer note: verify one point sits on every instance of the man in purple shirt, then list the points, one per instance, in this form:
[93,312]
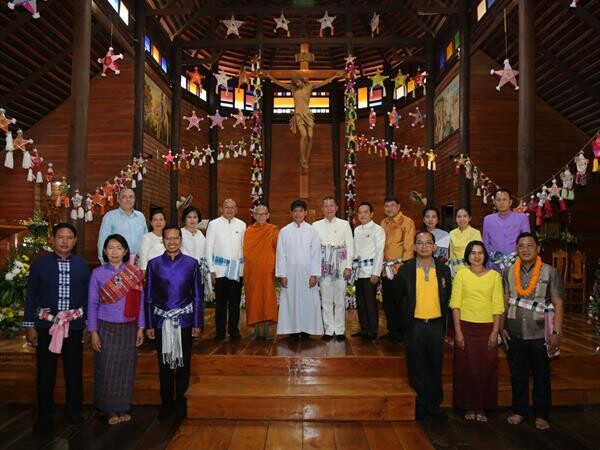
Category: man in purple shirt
[500,231]
[174,308]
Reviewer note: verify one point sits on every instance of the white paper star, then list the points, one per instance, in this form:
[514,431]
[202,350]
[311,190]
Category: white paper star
[222,79]
[193,120]
[217,120]
[374,24]
[240,119]
[506,75]
[326,22]
[349,59]
[281,22]
[232,26]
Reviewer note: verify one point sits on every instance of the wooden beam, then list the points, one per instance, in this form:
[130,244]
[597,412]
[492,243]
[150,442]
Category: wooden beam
[436,10]
[415,18]
[138,89]
[252,9]
[364,41]
[175,76]
[107,22]
[21,20]
[583,14]
[172,11]
[464,190]
[496,20]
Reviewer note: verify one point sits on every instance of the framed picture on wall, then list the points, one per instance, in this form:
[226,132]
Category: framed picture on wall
[157,111]
[446,111]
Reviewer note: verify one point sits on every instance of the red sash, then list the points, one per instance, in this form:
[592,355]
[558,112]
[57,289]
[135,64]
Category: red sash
[126,283]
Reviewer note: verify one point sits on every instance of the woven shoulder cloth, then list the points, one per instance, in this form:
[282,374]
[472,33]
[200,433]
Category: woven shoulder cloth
[130,278]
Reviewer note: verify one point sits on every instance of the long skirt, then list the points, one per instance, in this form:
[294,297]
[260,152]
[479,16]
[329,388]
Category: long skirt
[475,369]
[114,366]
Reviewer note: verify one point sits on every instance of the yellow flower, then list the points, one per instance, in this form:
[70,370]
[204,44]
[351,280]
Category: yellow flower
[25,258]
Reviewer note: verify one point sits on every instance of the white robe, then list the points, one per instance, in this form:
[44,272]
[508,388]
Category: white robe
[299,258]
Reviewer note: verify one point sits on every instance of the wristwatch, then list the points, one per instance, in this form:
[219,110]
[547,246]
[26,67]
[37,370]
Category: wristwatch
[557,333]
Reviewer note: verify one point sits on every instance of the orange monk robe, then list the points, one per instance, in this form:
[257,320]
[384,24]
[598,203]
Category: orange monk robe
[260,243]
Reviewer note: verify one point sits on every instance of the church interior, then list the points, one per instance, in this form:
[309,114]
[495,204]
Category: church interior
[437,102]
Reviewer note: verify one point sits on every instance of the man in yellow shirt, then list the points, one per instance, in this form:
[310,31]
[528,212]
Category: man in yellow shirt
[422,288]
[399,247]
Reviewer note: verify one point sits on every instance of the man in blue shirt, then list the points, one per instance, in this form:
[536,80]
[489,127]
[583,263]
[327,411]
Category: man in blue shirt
[57,289]
[126,221]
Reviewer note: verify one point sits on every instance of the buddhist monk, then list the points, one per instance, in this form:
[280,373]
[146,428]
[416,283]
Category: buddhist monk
[260,243]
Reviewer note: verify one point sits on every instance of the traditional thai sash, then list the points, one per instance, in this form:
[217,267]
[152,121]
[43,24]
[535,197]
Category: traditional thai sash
[453,263]
[387,266]
[332,260]
[538,307]
[172,352]
[126,283]
[503,260]
[233,266]
[60,326]
[357,264]
[206,278]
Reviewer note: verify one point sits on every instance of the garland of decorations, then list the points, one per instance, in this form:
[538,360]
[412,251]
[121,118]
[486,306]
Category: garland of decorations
[351,139]
[256,150]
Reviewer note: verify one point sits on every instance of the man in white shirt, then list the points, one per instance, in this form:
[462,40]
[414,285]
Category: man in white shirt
[337,248]
[369,241]
[225,258]
[298,266]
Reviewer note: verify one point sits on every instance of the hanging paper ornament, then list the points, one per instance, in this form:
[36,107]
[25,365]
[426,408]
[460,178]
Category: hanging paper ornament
[5,121]
[20,143]
[506,75]
[35,170]
[400,80]
[468,168]
[405,154]
[555,192]
[9,160]
[393,151]
[232,25]
[420,80]
[195,77]
[193,120]
[596,151]
[362,143]
[240,119]
[372,145]
[566,176]
[169,161]
[458,163]
[49,178]
[544,209]
[581,162]
[326,22]
[183,160]
[394,117]
[208,153]
[220,152]
[574,3]
[372,119]
[222,79]
[243,78]
[377,80]
[110,62]
[29,5]
[89,208]
[281,22]
[476,179]
[77,208]
[383,148]
[374,23]
[417,118]
[419,161]
[431,164]
[109,192]
[242,147]
[99,201]
[217,120]
[63,193]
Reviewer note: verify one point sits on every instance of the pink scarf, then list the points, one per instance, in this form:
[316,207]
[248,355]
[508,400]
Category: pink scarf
[60,326]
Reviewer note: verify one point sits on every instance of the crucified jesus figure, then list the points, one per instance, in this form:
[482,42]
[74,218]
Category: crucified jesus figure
[302,120]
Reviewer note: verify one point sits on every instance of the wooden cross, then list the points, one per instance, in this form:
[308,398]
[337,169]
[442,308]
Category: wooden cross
[304,58]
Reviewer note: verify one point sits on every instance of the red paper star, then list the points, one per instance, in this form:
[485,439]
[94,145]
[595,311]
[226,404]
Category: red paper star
[506,75]
[110,62]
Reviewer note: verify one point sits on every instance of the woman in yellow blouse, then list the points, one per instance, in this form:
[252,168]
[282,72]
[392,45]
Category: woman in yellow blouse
[477,303]
[460,237]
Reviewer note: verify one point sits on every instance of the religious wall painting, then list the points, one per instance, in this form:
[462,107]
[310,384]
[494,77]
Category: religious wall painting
[157,111]
[446,111]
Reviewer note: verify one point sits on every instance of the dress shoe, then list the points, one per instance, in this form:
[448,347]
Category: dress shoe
[327,337]
[219,337]
[293,336]
[44,424]
[340,337]
[74,417]
[304,336]
[235,337]
[181,409]
[359,334]
[165,412]
[369,337]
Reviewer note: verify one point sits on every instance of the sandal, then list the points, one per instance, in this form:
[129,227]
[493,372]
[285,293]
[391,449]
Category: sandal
[481,417]
[470,416]
[124,417]
[541,424]
[114,419]
[515,419]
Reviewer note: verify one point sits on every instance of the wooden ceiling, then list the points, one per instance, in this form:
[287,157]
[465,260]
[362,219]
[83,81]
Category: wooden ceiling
[36,53]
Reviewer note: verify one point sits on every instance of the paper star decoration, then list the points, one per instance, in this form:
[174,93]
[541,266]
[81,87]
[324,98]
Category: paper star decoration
[195,77]
[326,22]
[417,118]
[232,25]
[243,78]
[240,119]
[217,120]
[394,117]
[281,22]
[5,121]
[574,4]
[374,24]
[350,60]
[222,79]
[169,159]
[29,5]
[193,120]
[506,75]
[110,62]
[378,80]
[420,80]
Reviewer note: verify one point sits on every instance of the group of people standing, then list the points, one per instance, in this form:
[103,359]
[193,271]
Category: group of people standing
[153,284]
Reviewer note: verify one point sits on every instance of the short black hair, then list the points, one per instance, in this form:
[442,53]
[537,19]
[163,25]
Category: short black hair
[329,197]
[465,208]
[424,232]
[155,212]
[188,210]
[171,226]
[503,190]
[391,198]
[299,204]
[121,240]
[526,234]
[366,204]
[431,208]
[469,249]
[62,225]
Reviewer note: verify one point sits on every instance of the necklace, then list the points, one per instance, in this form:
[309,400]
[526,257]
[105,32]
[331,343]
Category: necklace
[534,278]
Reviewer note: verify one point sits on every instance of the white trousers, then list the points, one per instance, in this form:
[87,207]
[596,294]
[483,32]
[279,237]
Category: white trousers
[333,304]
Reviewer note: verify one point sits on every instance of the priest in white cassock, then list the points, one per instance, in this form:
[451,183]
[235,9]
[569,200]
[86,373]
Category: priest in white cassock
[337,249]
[369,242]
[225,258]
[298,266]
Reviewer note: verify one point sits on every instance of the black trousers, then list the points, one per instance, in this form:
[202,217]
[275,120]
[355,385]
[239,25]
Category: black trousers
[366,303]
[391,309]
[525,356]
[174,382]
[72,356]
[424,345]
[228,294]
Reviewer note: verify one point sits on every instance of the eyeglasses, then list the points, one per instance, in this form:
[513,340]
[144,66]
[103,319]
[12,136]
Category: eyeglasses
[427,243]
